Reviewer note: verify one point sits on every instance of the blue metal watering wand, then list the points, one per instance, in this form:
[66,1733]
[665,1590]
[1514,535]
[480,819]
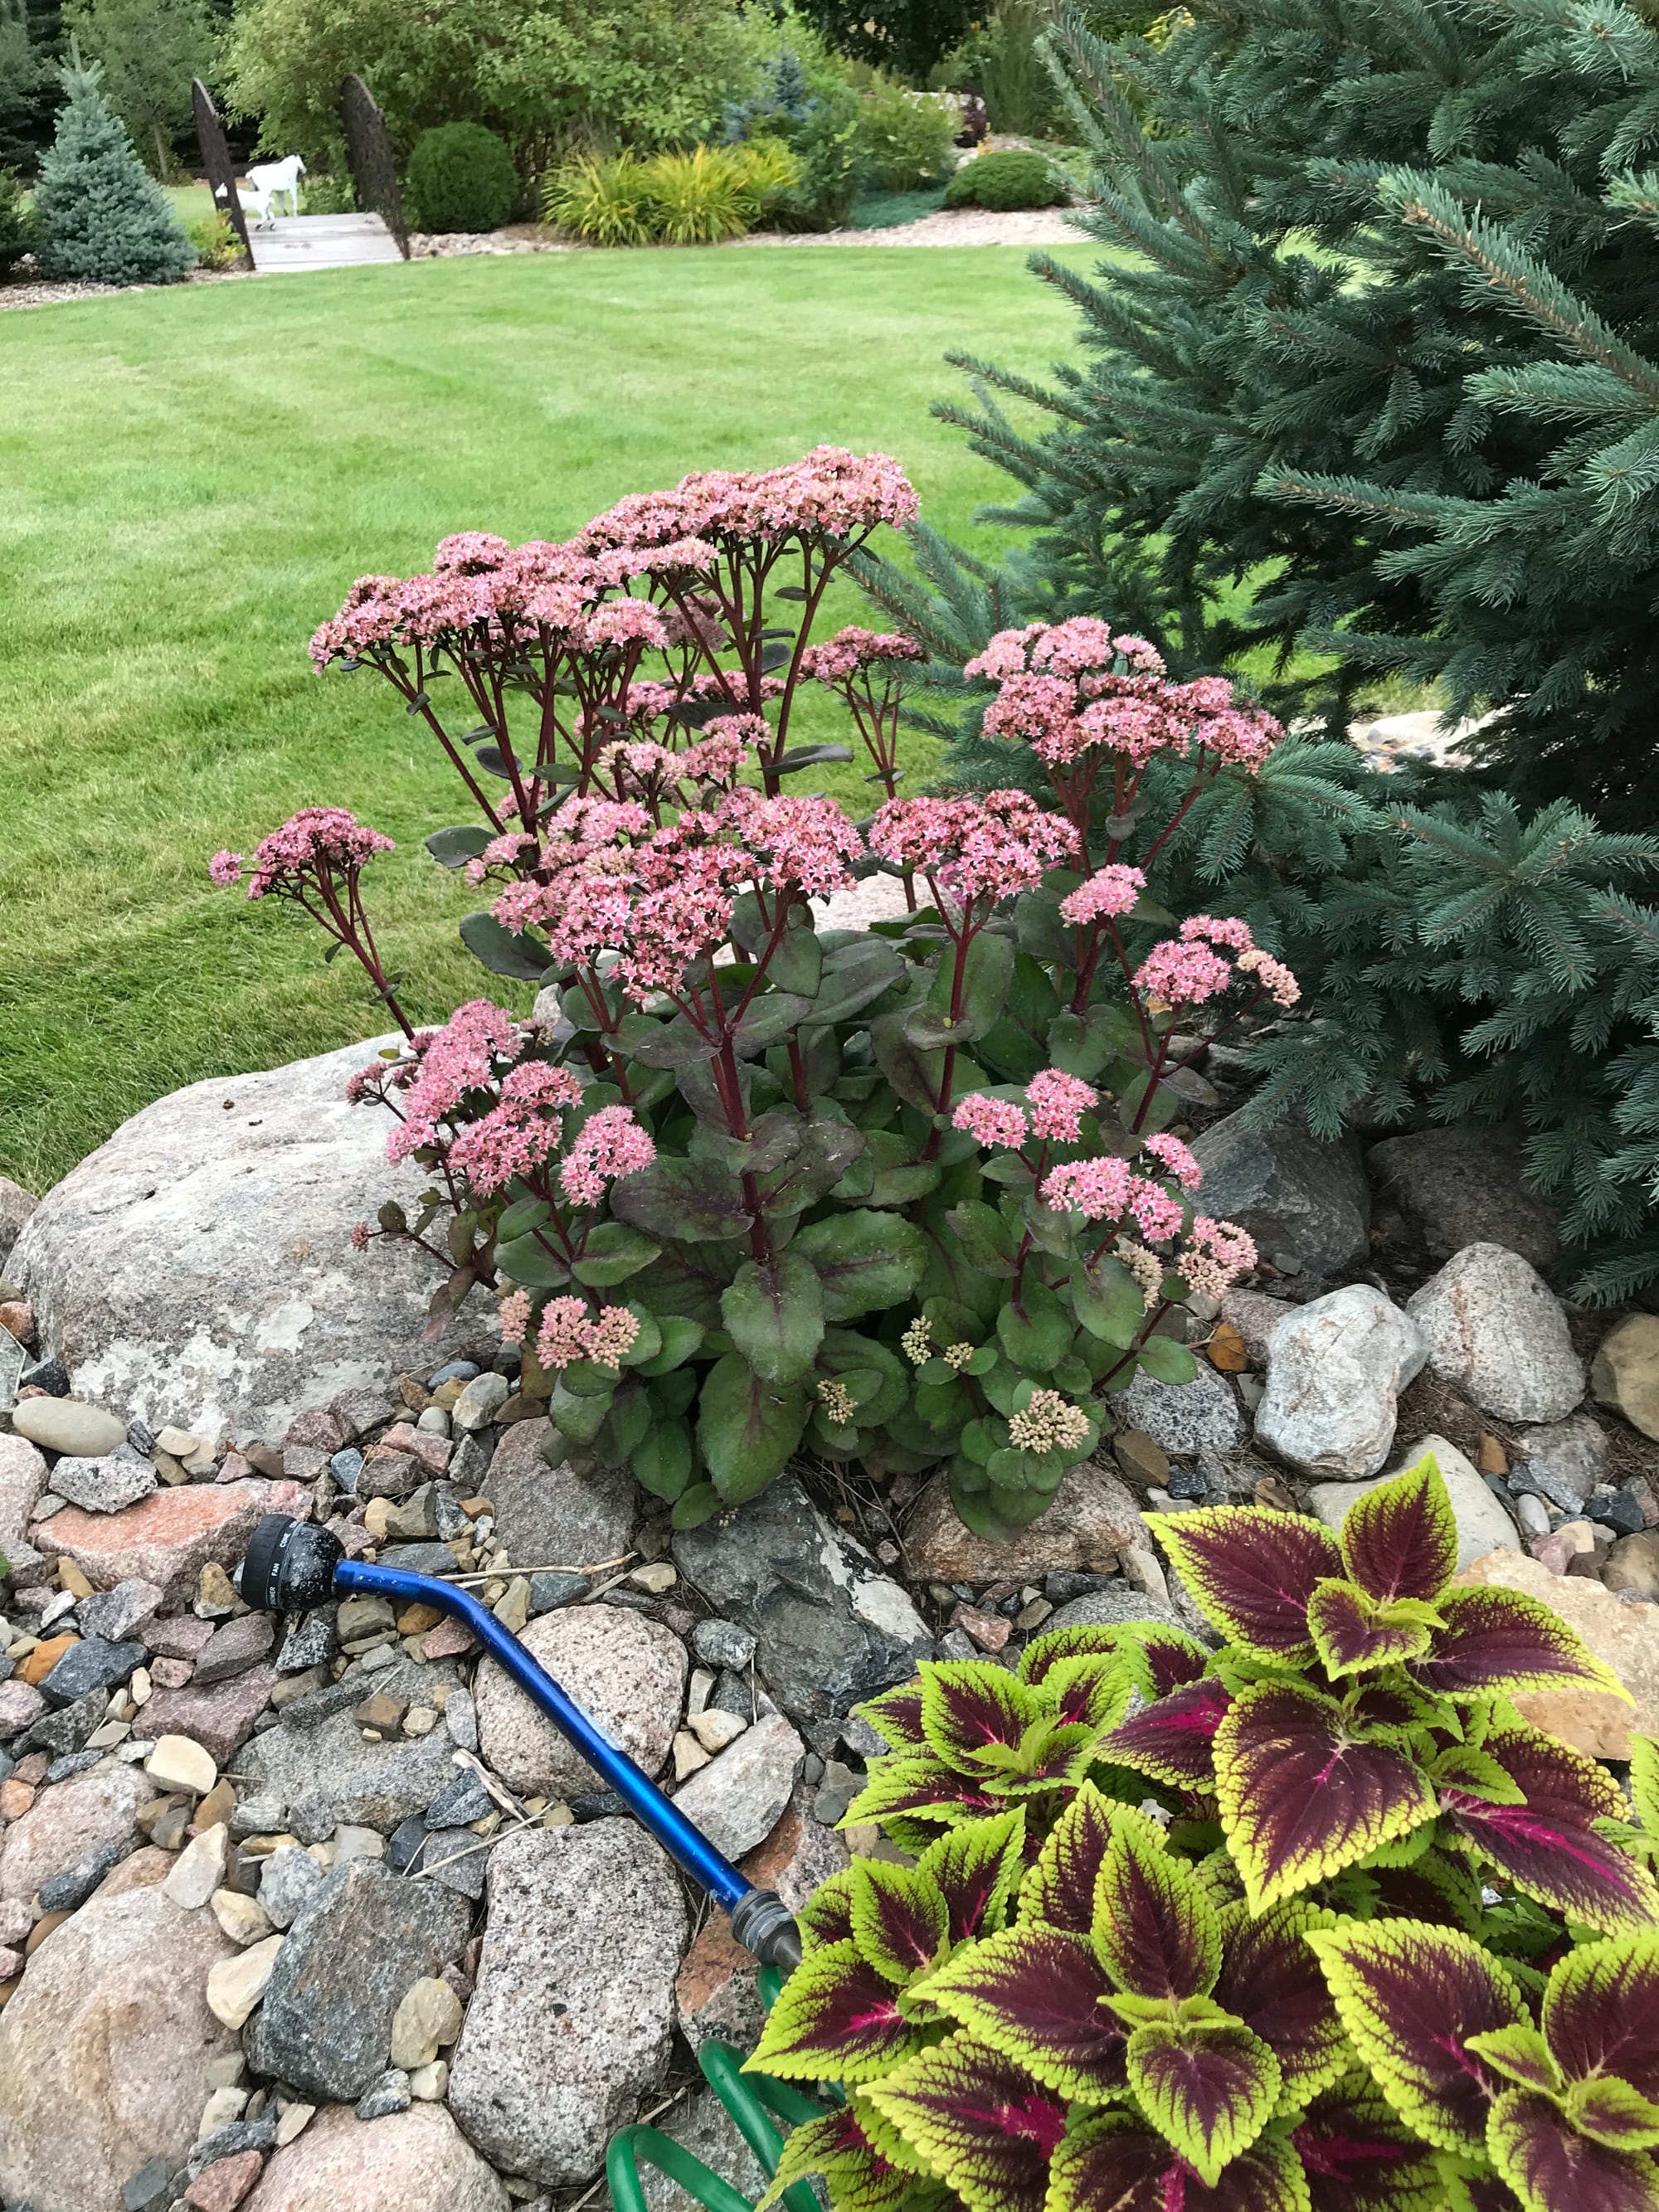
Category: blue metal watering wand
[290,1565]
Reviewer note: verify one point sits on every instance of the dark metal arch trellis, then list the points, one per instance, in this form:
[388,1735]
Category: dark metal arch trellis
[368,149]
[216,160]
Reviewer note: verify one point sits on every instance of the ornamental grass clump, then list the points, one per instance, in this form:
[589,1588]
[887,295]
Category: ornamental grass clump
[907,1196]
[1313,1923]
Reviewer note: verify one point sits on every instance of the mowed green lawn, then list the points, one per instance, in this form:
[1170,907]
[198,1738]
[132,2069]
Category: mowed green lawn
[190,480]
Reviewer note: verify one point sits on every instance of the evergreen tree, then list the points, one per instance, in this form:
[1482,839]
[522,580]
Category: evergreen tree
[1381,375]
[29,91]
[101,217]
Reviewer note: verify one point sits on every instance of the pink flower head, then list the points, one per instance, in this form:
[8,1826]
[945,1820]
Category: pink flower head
[1058,1103]
[611,1337]
[612,1143]
[807,844]
[1158,1214]
[828,493]
[310,844]
[513,1318]
[359,1237]
[990,1121]
[1182,973]
[850,651]
[1217,929]
[1216,1254]
[1110,891]
[367,618]
[455,1060]
[1177,1157]
[1274,977]
[1007,654]
[225,867]
[564,1334]
[470,553]
[1099,1189]
[988,848]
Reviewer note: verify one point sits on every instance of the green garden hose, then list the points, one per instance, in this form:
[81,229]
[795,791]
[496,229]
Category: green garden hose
[755,2102]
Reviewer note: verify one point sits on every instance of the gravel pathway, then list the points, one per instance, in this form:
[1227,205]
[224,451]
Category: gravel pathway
[945,227]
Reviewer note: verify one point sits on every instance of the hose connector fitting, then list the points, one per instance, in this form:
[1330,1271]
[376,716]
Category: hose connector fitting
[765,1926]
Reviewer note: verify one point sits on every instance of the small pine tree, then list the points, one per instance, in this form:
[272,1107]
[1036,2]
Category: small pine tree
[101,218]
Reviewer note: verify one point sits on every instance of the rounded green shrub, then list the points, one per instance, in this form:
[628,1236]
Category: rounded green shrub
[461,177]
[1005,182]
[17,221]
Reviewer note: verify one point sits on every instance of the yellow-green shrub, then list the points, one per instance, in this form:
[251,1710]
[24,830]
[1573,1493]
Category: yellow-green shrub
[697,198]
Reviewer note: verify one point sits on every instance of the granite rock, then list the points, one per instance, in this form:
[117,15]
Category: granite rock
[1495,1329]
[69,1822]
[1296,1194]
[103,1486]
[1458,1187]
[1091,1518]
[628,1673]
[413,2161]
[1183,1418]
[22,1480]
[740,1797]
[547,1517]
[167,1538]
[1335,1369]
[1625,1373]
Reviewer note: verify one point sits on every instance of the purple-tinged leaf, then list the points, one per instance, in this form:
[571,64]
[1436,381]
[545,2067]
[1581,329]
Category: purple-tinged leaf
[1163,1659]
[1357,2157]
[1060,1889]
[1302,1795]
[1039,1998]
[1434,1888]
[1547,1845]
[1354,1635]
[976,1869]
[980,2122]
[1252,1572]
[1115,2163]
[1271,1980]
[895,1716]
[1093,1692]
[1501,1640]
[1209,2088]
[836,2019]
[1174,1741]
[860,2179]
[923,1786]
[1087,1640]
[970,1707]
[1601,2012]
[827,1915]
[1154,1927]
[900,1924]
[1644,1783]
[1401,1539]
[1610,2111]
[1392,1705]
[1410,1996]
[1552,2168]
[1520,2054]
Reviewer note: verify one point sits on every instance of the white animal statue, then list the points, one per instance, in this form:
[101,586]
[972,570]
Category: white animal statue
[270,183]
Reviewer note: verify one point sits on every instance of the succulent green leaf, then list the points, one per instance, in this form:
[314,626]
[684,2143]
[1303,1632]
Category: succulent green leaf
[502,951]
[680,1338]
[773,1313]
[987,970]
[1038,1339]
[689,1200]
[661,1461]
[747,1427]
[1166,1361]
[527,1261]
[614,1251]
[864,1261]
[1107,1300]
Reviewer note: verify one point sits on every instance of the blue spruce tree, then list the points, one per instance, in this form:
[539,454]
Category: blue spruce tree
[100,218]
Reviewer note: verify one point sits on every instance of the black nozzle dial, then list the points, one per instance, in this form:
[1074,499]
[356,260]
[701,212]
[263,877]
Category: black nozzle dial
[288,1564]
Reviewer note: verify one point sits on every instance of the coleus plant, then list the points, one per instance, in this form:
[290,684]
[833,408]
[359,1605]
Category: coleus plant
[908,1195]
[1313,1922]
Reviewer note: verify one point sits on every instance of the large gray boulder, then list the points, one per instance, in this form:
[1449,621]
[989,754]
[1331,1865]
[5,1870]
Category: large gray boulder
[1335,1369]
[1494,1328]
[1458,1187]
[1300,1198]
[198,1267]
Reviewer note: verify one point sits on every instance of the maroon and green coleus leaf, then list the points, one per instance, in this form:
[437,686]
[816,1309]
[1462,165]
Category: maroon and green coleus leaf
[836,2146]
[1411,1996]
[1357,2157]
[836,2019]
[1553,2167]
[1060,1889]
[1154,1927]
[1208,2085]
[1600,2013]
[1088,1691]
[1173,1741]
[1548,1844]
[1271,1980]
[1644,1784]
[977,2120]
[1252,1572]
[827,1915]
[1493,1641]
[895,1716]
[901,1925]
[976,1717]
[919,1785]
[1113,2162]
[1304,1792]
[977,1870]
[1354,1633]
[1400,1541]
[1042,1999]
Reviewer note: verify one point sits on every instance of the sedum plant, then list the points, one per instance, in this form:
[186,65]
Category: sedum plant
[1311,1923]
[746,1186]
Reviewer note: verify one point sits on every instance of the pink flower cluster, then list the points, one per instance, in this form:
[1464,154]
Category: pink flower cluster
[1175,1158]
[1110,891]
[468,1055]
[1065,687]
[520,1134]
[312,843]
[1191,969]
[568,1333]
[851,651]
[972,848]
[829,493]
[1056,1102]
[1216,1255]
[1106,1189]
[612,1144]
